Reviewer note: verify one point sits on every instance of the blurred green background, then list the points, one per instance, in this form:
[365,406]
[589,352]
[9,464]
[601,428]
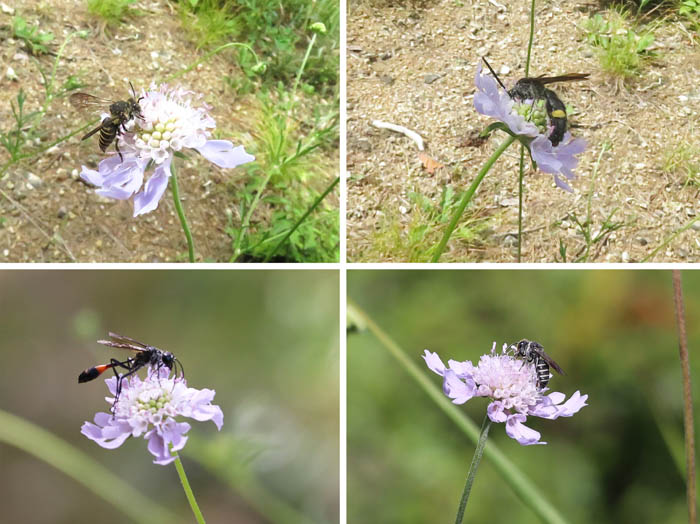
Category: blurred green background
[619,460]
[266,341]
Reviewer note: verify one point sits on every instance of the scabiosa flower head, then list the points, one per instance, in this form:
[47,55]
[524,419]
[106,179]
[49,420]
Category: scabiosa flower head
[510,383]
[560,160]
[172,121]
[149,407]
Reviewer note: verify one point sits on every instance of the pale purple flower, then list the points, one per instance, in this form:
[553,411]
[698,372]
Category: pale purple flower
[491,100]
[510,383]
[149,407]
[171,122]
[560,160]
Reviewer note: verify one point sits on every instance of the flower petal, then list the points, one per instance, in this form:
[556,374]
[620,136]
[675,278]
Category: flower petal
[457,390]
[491,100]
[223,154]
[495,411]
[550,407]
[524,435]
[434,362]
[558,160]
[147,200]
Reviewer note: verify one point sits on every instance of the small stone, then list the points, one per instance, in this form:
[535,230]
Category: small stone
[364,145]
[74,174]
[34,180]
[429,79]
[625,256]
[10,74]
[7,9]
[20,57]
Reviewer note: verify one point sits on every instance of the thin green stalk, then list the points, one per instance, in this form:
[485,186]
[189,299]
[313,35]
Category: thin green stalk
[531,39]
[206,57]
[188,490]
[180,211]
[299,222]
[522,147]
[478,452]
[303,65]
[520,199]
[246,218]
[671,238]
[468,197]
[523,486]
[76,465]
[687,398]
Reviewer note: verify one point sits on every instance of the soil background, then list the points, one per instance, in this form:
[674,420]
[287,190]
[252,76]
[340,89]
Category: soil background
[413,64]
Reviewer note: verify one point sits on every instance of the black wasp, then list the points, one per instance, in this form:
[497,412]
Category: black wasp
[145,355]
[114,125]
[534,89]
[533,351]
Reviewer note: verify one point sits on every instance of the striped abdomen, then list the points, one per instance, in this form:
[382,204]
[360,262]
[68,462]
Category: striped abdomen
[542,371]
[108,133]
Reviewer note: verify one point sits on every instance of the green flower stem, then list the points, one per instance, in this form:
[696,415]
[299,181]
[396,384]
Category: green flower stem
[520,199]
[687,399]
[468,197]
[186,486]
[478,452]
[523,486]
[246,220]
[180,211]
[83,469]
[531,39]
[299,222]
[522,147]
[303,65]
[207,56]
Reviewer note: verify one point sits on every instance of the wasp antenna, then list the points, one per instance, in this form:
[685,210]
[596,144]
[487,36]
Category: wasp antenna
[494,74]
[182,369]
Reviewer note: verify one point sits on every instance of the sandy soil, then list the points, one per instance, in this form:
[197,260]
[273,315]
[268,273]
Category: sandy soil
[47,214]
[414,64]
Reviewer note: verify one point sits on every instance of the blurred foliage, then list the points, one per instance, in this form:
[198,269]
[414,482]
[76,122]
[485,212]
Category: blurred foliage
[279,33]
[265,341]
[619,460]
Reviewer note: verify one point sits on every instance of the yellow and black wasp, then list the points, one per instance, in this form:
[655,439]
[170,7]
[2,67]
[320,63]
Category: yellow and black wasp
[534,89]
[121,112]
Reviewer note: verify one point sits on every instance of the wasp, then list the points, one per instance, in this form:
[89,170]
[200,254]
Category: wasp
[144,354]
[111,128]
[533,88]
[534,352]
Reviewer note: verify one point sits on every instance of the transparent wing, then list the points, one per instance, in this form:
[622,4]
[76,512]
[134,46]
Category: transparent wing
[86,102]
[549,361]
[124,342]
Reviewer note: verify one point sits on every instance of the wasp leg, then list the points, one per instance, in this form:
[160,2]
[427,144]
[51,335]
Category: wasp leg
[116,146]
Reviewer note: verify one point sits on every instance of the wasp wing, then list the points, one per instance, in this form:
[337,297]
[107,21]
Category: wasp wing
[85,101]
[549,361]
[124,342]
[569,77]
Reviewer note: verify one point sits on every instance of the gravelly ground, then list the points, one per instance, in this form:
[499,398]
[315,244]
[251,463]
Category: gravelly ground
[414,66]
